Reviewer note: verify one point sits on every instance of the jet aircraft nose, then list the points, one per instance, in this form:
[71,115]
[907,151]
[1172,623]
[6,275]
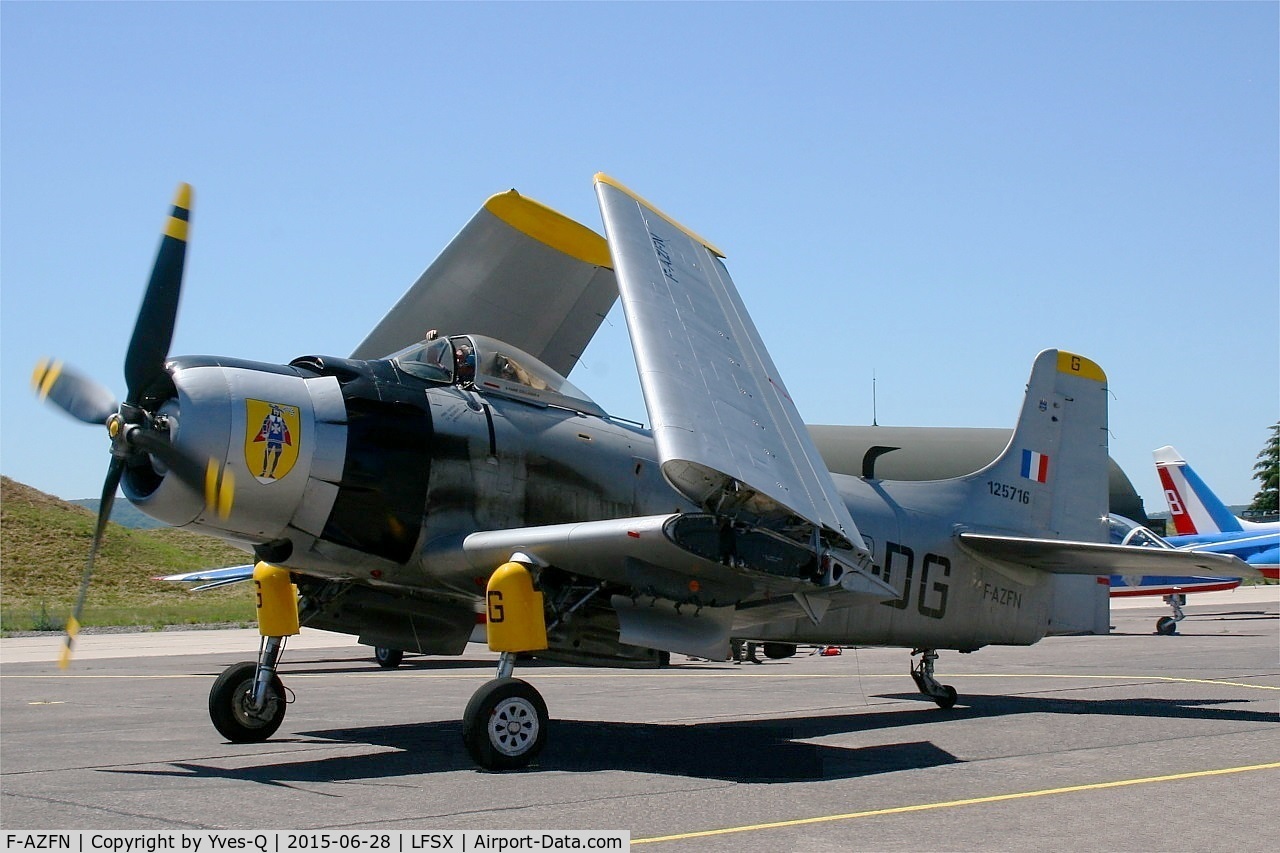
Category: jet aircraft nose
[280,435]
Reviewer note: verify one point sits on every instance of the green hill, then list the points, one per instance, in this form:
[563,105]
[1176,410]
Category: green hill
[43,545]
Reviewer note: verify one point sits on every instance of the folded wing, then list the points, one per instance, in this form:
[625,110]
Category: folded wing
[519,272]
[728,434]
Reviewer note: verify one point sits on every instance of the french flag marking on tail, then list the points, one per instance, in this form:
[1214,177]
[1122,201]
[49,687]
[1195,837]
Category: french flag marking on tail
[1035,466]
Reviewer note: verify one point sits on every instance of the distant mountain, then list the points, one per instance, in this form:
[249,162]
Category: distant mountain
[123,513]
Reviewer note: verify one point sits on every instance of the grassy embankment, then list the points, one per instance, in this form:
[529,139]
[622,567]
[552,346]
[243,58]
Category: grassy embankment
[43,545]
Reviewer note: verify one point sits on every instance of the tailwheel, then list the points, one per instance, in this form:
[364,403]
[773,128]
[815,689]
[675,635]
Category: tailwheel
[232,709]
[505,724]
[388,658]
[944,695]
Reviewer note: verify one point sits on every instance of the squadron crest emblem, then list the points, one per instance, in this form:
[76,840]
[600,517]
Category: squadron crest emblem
[271,439]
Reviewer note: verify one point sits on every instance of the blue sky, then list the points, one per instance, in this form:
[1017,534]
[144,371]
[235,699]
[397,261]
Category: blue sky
[933,192]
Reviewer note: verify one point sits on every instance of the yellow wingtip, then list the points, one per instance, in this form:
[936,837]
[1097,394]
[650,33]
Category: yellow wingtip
[602,178]
[550,227]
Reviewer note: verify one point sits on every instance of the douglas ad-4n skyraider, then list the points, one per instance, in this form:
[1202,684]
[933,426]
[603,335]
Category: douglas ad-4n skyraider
[432,479]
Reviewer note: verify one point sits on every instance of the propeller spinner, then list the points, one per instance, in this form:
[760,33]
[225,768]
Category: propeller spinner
[135,429]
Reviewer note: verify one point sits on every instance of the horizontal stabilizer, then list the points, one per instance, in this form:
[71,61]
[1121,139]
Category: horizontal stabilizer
[1092,558]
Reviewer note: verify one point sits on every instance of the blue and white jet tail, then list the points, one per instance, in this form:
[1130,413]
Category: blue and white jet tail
[1203,523]
[1193,506]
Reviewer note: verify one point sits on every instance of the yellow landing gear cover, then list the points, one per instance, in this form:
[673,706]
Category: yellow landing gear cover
[515,620]
[277,601]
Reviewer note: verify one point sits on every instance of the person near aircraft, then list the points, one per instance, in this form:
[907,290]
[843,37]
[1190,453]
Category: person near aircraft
[464,359]
[740,655]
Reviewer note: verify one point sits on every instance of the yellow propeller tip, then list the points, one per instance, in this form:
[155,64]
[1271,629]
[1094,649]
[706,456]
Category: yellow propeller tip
[44,375]
[182,198]
[219,489]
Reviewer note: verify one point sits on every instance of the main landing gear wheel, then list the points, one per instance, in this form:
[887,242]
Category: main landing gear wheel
[1167,625]
[505,724]
[231,705]
[387,658]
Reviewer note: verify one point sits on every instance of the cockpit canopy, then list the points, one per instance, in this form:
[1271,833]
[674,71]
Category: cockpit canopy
[493,367]
[1125,531]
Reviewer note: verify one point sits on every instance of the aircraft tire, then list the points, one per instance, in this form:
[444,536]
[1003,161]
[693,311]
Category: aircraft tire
[388,658]
[229,705]
[948,700]
[1167,625]
[505,724]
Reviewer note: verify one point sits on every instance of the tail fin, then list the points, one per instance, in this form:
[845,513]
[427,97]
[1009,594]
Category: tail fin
[1193,506]
[1051,479]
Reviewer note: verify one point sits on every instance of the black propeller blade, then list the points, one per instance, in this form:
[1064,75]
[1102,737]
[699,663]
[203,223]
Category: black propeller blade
[104,513]
[153,332]
[133,429]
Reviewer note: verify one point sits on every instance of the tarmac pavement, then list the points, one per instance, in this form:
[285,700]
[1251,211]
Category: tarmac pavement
[1131,741]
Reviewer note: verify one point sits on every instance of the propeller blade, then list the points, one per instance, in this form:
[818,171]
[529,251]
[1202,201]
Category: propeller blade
[211,479]
[153,331]
[75,394]
[109,487]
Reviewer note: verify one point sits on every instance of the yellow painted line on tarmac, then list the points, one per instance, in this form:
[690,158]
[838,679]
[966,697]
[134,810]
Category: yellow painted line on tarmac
[974,801]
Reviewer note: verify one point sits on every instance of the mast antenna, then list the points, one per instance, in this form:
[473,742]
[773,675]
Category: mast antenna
[873,398]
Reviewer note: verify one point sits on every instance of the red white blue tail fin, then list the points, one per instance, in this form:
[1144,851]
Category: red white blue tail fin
[1193,506]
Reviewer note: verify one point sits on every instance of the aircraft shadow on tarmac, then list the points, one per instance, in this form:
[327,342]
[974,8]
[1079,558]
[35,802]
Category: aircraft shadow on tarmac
[772,750]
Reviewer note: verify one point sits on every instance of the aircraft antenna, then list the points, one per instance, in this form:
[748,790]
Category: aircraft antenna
[873,397]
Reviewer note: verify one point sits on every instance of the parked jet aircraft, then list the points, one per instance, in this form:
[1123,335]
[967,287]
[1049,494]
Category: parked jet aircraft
[1203,522]
[425,481]
[1173,590]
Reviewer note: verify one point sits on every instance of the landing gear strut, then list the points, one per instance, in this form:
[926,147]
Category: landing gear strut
[1168,625]
[922,673]
[247,702]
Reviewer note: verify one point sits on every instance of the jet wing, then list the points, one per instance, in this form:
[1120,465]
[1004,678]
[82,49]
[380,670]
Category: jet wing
[1092,558]
[519,272]
[728,434]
